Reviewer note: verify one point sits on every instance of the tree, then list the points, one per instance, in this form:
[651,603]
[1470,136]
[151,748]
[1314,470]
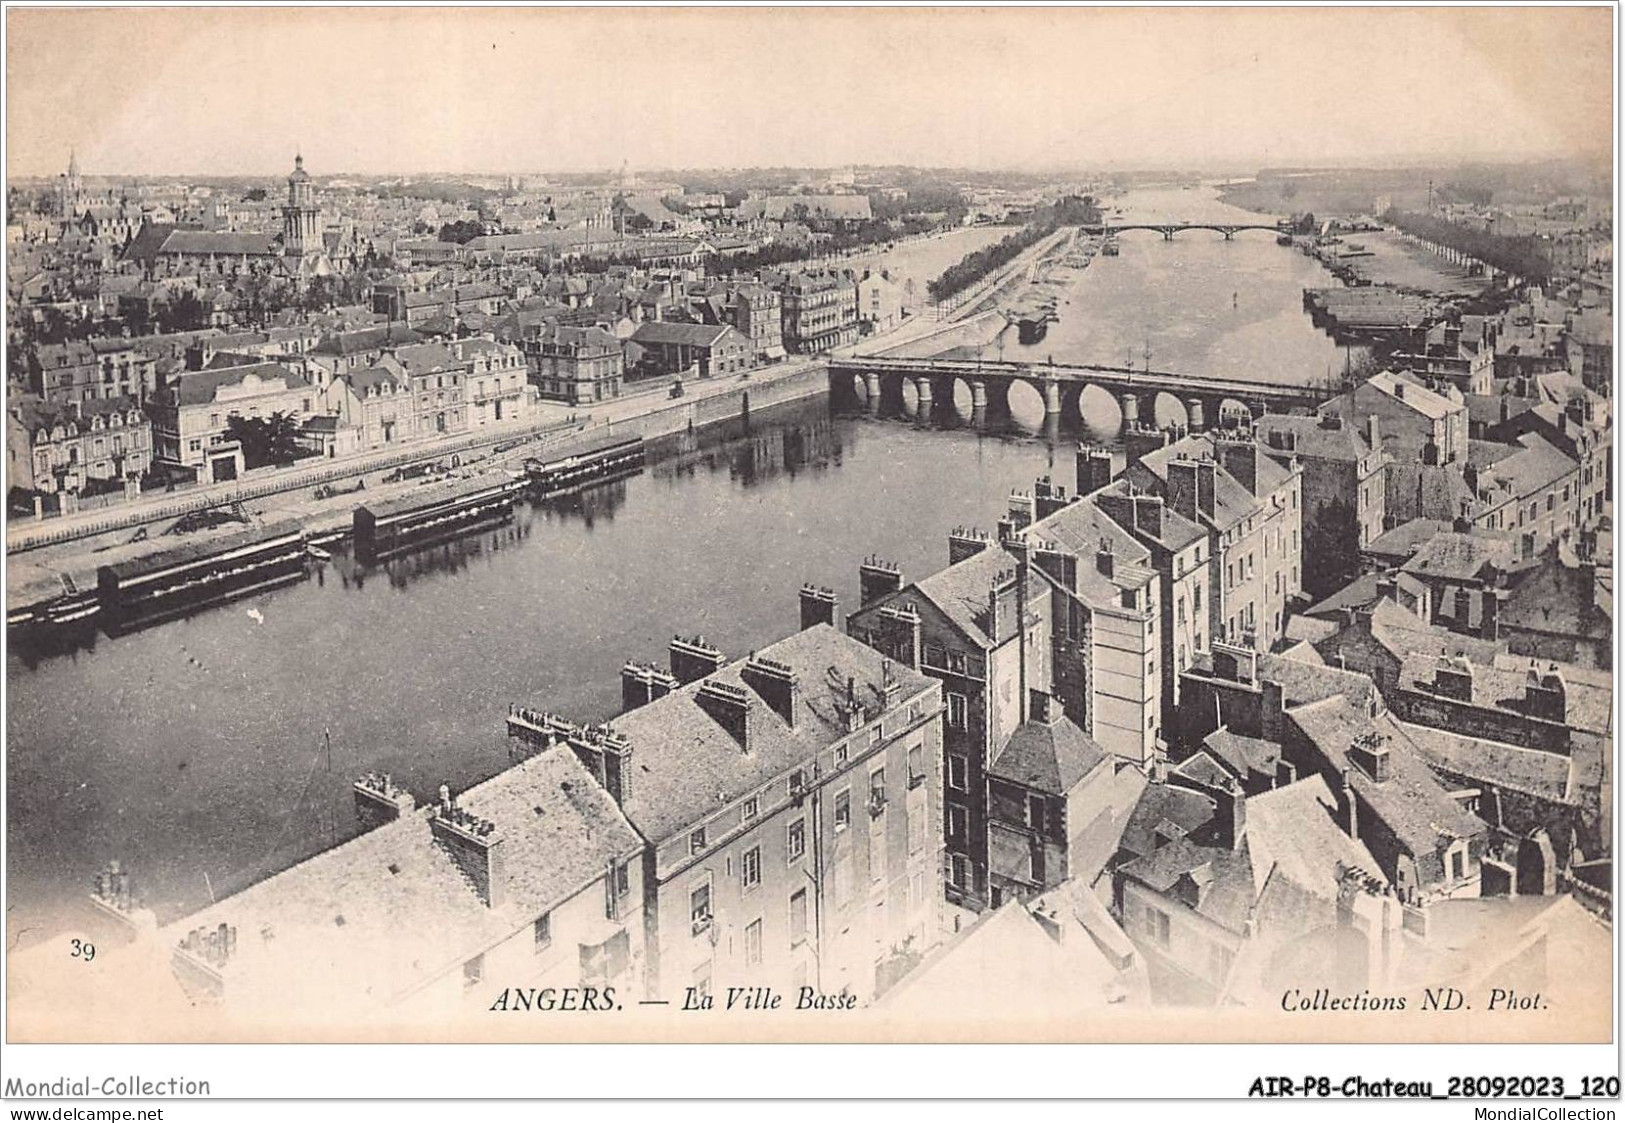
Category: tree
[462,231]
[184,313]
[271,440]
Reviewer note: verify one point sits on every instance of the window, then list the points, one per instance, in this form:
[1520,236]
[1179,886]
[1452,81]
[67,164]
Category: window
[696,841]
[877,785]
[916,890]
[753,942]
[843,809]
[956,662]
[958,773]
[798,784]
[1196,599]
[795,839]
[473,971]
[750,868]
[874,734]
[542,931]
[752,808]
[699,907]
[959,871]
[1458,864]
[1156,925]
[957,819]
[798,917]
[1035,812]
[956,711]
[840,755]
[916,765]
[702,979]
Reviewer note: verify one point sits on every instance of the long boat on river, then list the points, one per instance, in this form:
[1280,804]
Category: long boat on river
[608,455]
[196,575]
[434,513]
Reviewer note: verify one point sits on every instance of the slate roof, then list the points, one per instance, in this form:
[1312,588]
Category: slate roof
[34,413]
[660,332]
[427,358]
[1412,394]
[1450,556]
[377,916]
[1168,810]
[685,765]
[221,243]
[1411,803]
[367,339]
[200,387]
[1311,436]
[1232,502]
[1398,544]
[960,592]
[1223,880]
[1493,762]
[1051,757]
[1243,755]
[1295,829]
[1536,467]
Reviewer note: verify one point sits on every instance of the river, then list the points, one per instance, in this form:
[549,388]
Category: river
[208,752]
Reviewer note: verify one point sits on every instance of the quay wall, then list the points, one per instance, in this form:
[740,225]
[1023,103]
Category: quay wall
[749,395]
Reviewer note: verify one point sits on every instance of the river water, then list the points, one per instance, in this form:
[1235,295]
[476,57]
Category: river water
[208,752]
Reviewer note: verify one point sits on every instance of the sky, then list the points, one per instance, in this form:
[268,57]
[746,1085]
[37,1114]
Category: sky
[382,91]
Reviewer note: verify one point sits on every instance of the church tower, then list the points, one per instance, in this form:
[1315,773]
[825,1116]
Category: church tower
[70,188]
[301,220]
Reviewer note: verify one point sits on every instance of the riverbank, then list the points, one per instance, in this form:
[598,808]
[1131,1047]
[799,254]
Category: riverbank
[44,573]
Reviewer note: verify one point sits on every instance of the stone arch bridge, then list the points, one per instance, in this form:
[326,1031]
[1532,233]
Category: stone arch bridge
[1169,229]
[1205,401]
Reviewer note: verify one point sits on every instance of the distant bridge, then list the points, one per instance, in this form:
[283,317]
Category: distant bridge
[1204,400]
[1169,229]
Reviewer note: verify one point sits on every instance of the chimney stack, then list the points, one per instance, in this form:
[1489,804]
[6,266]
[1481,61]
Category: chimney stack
[642,683]
[1182,487]
[1094,469]
[775,682]
[818,605]
[876,579]
[474,844]
[729,707]
[379,800]
[966,543]
[1048,497]
[693,659]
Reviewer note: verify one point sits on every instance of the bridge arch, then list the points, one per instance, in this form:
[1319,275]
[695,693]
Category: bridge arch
[1165,409]
[1099,411]
[1026,402]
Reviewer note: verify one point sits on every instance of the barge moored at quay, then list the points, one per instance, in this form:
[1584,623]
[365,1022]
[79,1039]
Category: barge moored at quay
[434,514]
[600,458]
[174,582]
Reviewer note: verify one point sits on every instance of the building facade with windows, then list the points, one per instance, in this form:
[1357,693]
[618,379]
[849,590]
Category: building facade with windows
[497,381]
[790,805]
[439,380]
[980,627]
[190,416]
[820,311]
[576,365]
[51,447]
